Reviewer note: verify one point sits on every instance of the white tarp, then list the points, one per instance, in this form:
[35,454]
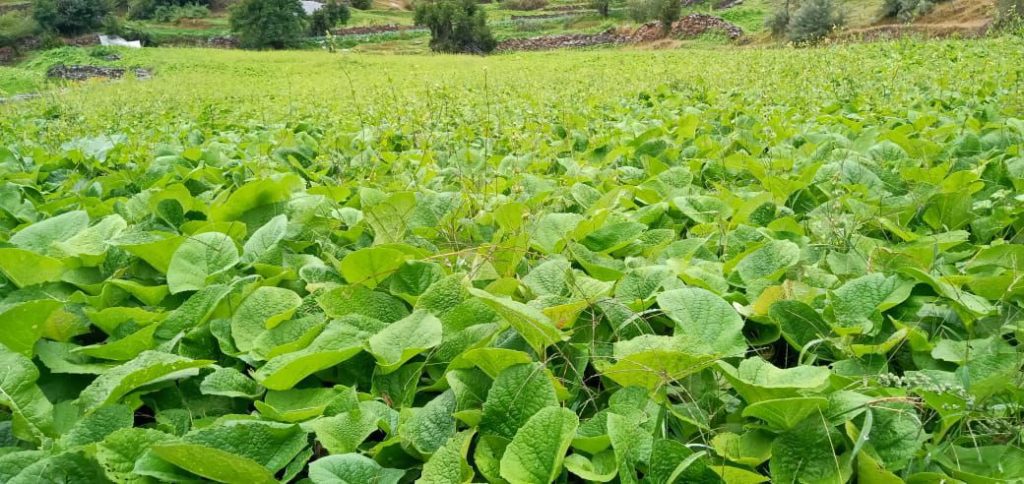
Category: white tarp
[119,42]
[311,7]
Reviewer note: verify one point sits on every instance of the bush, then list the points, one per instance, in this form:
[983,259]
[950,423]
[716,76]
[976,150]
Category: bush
[603,7]
[907,10]
[273,24]
[16,27]
[328,17]
[643,10]
[71,17]
[668,13]
[523,4]
[1010,14]
[814,20]
[361,4]
[778,22]
[174,13]
[456,26]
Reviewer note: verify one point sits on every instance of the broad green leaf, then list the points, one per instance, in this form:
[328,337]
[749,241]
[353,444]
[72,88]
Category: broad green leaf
[149,367]
[402,340]
[786,413]
[25,268]
[344,432]
[517,393]
[706,320]
[264,309]
[769,261]
[856,302]
[351,469]
[41,237]
[533,325]
[756,379]
[371,266]
[297,404]
[264,239]
[229,382]
[429,427]
[809,454]
[896,435]
[198,259]
[98,425]
[125,348]
[347,300]
[751,448]
[600,468]
[449,465]
[212,463]
[20,394]
[336,344]
[248,444]
[655,361]
[21,325]
[258,195]
[65,468]
[549,233]
[536,452]
[91,244]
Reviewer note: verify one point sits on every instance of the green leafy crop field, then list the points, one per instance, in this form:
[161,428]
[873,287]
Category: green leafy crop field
[604,266]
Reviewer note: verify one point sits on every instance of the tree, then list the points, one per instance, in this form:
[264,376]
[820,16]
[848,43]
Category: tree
[328,17]
[456,26]
[273,24]
[1010,14]
[668,13]
[814,20]
[71,17]
[778,22]
[15,27]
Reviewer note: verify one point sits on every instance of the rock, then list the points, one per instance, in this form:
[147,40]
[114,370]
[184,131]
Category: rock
[112,57]
[691,25]
[81,73]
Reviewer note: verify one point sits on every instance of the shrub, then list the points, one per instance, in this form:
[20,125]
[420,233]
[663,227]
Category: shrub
[71,17]
[814,20]
[523,4]
[456,26]
[361,4]
[668,13]
[174,13]
[1010,14]
[16,27]
[273,24]
[907,10]
[778,22]
[168,10]
[643,10]
[603,7]
[328,17]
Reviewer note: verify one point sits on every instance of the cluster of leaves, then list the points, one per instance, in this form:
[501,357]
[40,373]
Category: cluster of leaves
[328,17]
[675,286]
[807,21]
[456,26]
[269,24]
[907,10]
[71,17]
